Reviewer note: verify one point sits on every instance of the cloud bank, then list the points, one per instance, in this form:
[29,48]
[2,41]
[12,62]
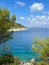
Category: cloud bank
[37,21]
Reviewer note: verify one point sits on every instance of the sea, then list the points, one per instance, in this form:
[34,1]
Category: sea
[22,41]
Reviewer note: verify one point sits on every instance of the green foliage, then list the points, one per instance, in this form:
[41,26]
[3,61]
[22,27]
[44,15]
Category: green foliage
[13,18]
[42,48]
[17,61]
[6,58]
[17,25]
[5,24]
[42,63]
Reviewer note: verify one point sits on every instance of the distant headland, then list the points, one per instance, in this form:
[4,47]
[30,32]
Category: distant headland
[17,27]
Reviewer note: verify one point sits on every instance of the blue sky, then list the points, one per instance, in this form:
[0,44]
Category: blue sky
[30,13]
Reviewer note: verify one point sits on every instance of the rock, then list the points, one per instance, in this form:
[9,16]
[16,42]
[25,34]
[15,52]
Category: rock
[33,61]
[26,63]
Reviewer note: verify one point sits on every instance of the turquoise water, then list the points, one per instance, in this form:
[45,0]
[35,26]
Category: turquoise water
[23,40]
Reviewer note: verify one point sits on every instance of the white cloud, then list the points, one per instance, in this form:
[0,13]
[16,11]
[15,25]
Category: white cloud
[20,3]
[22,18]
[37,7]
[41,17]
[38,21]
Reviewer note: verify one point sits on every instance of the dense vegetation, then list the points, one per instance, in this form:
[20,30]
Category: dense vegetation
[41,47]
[6,22]
[17,25]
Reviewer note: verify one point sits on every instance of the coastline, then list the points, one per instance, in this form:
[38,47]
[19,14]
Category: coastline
[17,29]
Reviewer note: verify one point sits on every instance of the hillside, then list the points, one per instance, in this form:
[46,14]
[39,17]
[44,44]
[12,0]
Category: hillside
[17,25]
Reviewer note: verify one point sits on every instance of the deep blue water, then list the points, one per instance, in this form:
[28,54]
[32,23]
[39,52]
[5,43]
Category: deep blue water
[22,42]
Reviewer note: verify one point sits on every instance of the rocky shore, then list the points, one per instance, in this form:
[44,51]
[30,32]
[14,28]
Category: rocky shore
[17,29]
[32,62]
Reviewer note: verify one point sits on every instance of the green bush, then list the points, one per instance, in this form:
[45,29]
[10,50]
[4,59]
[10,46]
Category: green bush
[41,47]
[42,63]
[6,58]
[17,61]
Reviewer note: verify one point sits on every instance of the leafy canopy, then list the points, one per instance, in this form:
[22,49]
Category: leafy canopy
[42,48]
[6,22]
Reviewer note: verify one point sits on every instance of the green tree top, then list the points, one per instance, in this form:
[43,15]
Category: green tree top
[6,22]
[42,48]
